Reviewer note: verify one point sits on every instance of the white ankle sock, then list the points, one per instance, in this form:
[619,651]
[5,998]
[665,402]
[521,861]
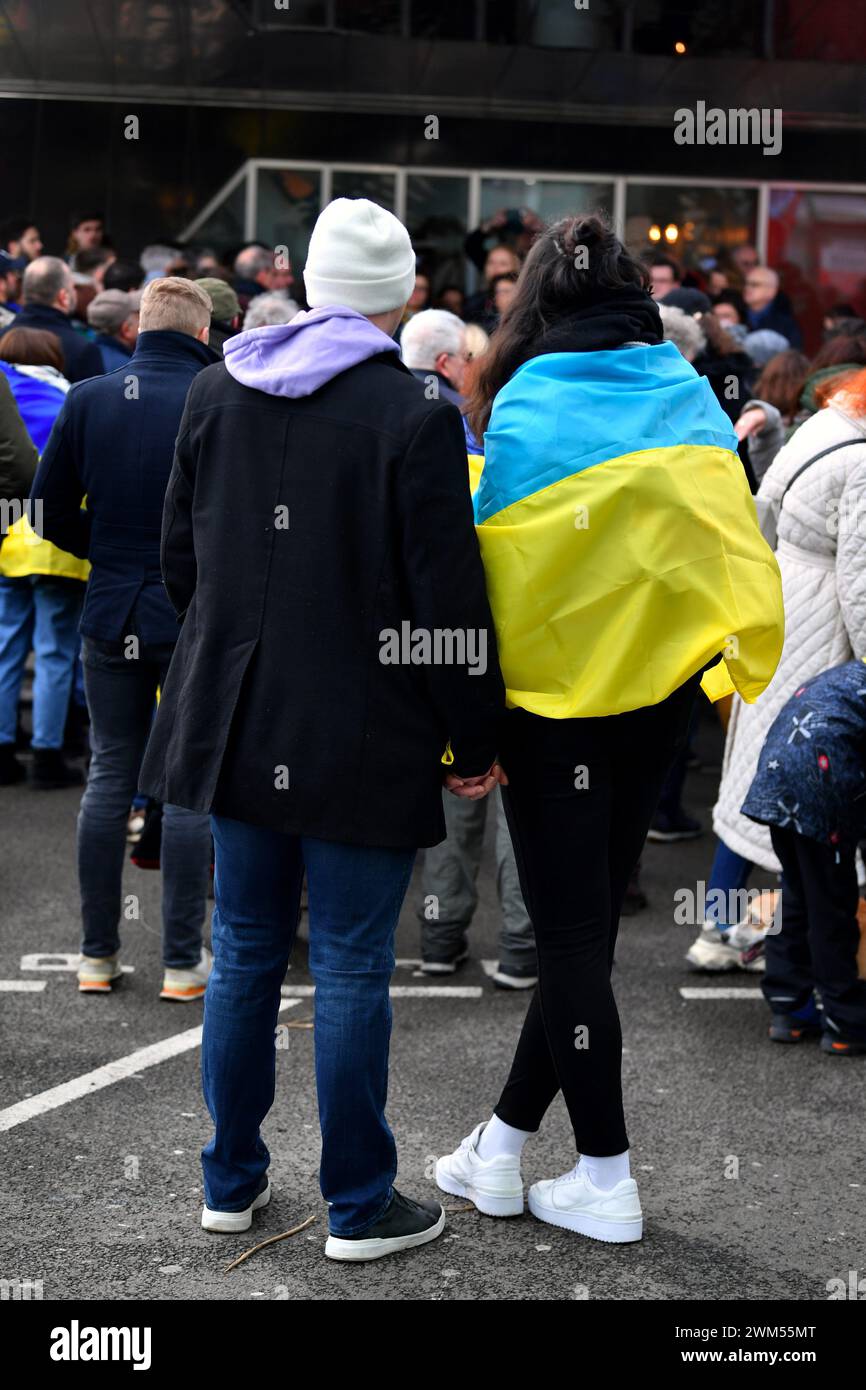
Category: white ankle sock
[605,1172]
[499,1138]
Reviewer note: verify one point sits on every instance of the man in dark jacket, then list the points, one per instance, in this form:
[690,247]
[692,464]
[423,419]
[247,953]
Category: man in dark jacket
[18,458]
[337,657]
[113,443]
[48,297]
[767,307]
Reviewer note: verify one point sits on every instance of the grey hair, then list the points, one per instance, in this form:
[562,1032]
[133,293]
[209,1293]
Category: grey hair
[430,333]
[43,280]
[269,309]
[156,257]
[683,331]
[252,261]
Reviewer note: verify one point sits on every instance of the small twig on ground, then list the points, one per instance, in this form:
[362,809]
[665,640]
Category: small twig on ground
[455,1211]
[270,1241]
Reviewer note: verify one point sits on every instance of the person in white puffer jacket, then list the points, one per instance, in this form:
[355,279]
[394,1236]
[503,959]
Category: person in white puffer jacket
[822,557]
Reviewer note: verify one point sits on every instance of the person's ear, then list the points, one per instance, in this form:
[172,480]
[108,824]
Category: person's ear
[440,364]
[203,334]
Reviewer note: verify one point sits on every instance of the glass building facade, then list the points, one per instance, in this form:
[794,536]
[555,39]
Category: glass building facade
[251,114]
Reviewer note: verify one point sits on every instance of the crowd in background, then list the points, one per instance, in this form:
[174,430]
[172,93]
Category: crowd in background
[66,318]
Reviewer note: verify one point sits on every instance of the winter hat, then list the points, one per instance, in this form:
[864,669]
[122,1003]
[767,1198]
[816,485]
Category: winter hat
[360,256]
[226,305]
[763,344]
[689,300]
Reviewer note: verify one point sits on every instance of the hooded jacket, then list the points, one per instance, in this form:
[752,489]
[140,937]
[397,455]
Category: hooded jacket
[620,540]
[317,536]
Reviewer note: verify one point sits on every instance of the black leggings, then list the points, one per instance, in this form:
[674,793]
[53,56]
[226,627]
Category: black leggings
[580,798]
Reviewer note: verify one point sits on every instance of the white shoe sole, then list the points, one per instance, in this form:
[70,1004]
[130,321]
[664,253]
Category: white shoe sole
[338,1249]
[613,1232]
[226,1222]
[487,1203]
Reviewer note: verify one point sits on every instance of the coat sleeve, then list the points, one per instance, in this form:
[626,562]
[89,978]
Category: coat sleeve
[18,456]
[765,443]
[851,558]
[447,590]
[59,490]
[177,550]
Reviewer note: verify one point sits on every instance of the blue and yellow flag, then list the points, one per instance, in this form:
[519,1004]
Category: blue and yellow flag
[620,541]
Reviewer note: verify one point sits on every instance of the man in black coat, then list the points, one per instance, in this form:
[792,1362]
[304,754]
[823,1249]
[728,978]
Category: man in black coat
[48,296]
[337,657]
[113,444]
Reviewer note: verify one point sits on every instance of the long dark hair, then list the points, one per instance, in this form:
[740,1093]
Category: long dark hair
[554,281]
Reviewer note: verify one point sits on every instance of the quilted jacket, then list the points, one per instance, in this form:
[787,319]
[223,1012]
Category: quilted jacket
[822,558]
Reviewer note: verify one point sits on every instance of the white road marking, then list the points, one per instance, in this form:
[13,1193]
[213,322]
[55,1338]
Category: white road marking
[399,991]
[21,986]
[59,960]
[720,992]
[101,1077]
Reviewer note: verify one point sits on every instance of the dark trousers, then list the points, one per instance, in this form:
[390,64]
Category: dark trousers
[120,696]
[580,798]
[818,943]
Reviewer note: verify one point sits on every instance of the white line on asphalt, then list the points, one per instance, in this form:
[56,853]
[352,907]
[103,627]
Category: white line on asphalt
[101,1077]
[21,986]
[58,960]
[400,991]
[720,992]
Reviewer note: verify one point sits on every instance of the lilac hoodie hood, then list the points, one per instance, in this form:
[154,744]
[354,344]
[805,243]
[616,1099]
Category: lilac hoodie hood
[295,359]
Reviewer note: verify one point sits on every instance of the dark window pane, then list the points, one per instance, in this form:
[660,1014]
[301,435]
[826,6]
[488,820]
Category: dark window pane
[369,16]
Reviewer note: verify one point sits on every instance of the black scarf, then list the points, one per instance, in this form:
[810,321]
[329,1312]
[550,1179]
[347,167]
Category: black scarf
[613,318]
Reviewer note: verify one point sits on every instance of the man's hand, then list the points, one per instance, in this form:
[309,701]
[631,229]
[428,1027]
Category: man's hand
[474,788]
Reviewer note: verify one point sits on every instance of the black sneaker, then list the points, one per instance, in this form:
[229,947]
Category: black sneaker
[404,1224]
[666,829]
[447,966]
[838,1045]
[786,1028]
[11,771]
[50,771]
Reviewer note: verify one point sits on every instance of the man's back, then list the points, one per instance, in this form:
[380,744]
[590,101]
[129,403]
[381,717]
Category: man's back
[115,442]
[298,531]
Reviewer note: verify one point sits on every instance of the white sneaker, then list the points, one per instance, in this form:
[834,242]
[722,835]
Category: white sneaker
[228,1221]
[186,985]
[574,1203]
[97,974]
[494,1186]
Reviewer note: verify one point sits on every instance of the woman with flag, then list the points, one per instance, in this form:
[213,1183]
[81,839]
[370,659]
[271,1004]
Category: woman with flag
[625,567]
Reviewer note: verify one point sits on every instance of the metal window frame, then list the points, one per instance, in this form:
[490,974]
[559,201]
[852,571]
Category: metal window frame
[401,173]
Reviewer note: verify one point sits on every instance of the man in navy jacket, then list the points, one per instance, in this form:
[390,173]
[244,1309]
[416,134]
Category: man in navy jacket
[48,295]
[101,483]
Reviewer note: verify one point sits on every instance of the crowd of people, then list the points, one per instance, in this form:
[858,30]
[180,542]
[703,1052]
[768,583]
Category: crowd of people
[539,469]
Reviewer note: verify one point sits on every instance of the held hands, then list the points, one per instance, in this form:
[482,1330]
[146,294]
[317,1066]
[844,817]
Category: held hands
[474,788]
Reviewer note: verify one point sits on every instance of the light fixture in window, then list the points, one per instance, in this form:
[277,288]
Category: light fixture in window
[679,47]
[672,232]
[655,233]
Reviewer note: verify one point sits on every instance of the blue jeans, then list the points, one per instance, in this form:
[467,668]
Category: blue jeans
[730,872]
[355,896]
[120,696]
[39,611]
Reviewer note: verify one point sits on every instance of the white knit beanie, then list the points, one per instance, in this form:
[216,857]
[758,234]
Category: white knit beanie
[360,256]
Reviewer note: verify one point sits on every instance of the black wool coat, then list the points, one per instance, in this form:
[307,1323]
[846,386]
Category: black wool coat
[296,532]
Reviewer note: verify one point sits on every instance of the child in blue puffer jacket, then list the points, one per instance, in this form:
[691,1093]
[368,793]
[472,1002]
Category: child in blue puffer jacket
[810,789]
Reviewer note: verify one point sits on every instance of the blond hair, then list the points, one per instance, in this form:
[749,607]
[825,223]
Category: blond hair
[173,302]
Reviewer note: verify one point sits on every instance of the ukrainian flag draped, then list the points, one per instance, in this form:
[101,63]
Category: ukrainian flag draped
[620,540]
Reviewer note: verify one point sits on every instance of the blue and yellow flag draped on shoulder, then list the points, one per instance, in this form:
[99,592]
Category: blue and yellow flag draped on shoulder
[620,540]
